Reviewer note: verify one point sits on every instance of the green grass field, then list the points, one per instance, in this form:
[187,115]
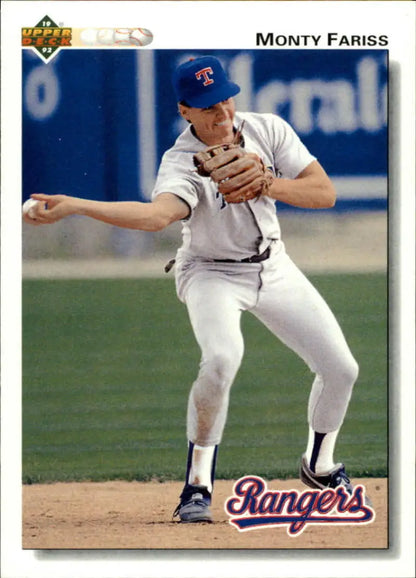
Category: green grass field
[107,366]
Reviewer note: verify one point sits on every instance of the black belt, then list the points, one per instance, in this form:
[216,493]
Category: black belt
[253,259]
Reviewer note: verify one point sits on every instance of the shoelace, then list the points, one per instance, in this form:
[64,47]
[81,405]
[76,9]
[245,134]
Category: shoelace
[342,479]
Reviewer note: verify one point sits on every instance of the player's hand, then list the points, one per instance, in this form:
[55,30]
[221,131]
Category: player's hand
[239,175]
[50,209]
[243,179]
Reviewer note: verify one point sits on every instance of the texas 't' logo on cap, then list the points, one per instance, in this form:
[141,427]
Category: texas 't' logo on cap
[202,82]
[203,73]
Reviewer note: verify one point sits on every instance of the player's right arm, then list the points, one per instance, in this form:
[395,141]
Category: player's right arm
[165,209]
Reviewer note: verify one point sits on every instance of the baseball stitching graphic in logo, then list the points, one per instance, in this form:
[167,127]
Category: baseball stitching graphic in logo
[113,37]
[253,507]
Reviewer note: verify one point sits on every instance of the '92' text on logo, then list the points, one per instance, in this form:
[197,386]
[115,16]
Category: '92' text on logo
[46,36]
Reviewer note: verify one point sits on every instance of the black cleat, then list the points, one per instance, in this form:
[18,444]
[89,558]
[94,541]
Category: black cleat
[331,479]
[194,505]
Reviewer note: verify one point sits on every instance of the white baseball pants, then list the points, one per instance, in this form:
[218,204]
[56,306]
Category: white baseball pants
[281,297]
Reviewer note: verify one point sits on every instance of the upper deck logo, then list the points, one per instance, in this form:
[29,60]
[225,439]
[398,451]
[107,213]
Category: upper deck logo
[46,37]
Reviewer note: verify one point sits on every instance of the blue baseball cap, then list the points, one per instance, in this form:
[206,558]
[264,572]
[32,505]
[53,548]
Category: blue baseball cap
[202,82]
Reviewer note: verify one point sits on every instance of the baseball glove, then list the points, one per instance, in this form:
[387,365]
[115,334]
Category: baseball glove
[241,176]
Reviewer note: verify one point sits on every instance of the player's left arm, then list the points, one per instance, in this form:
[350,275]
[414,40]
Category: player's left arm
[311,189]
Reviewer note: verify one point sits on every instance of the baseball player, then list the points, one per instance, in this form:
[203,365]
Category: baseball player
[233,259]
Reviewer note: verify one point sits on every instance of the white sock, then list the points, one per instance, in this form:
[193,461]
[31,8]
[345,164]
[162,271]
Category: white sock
[320,451]
[201,466]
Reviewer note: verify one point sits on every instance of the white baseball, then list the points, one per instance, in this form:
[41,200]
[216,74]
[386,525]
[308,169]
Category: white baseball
[141,36]
[122,36]
[29,208]
[105,36]
[89,36]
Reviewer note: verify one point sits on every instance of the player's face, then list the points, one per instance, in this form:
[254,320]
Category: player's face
[214,124]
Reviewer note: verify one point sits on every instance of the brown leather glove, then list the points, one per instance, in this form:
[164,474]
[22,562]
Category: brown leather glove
[241,176]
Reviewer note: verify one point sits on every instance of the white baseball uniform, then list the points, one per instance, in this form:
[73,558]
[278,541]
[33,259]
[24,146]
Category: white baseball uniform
[216,286]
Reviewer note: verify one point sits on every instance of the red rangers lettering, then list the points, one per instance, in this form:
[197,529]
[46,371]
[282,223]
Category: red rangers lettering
[204,73]
[253,506]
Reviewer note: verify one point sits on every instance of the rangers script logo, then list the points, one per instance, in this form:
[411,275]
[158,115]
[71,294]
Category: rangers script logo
[253,506]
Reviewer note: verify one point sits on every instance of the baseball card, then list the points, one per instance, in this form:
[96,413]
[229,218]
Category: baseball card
[208,288]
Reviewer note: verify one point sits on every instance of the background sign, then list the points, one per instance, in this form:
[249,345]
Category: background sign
[96,122]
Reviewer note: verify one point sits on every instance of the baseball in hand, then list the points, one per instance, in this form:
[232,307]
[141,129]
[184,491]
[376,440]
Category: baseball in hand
[29,208]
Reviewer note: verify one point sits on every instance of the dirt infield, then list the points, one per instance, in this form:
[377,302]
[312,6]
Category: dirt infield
[136,515]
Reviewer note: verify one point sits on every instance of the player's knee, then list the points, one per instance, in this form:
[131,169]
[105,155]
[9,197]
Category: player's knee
[342,375]
[347,373]
[222,367]
[351,371]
